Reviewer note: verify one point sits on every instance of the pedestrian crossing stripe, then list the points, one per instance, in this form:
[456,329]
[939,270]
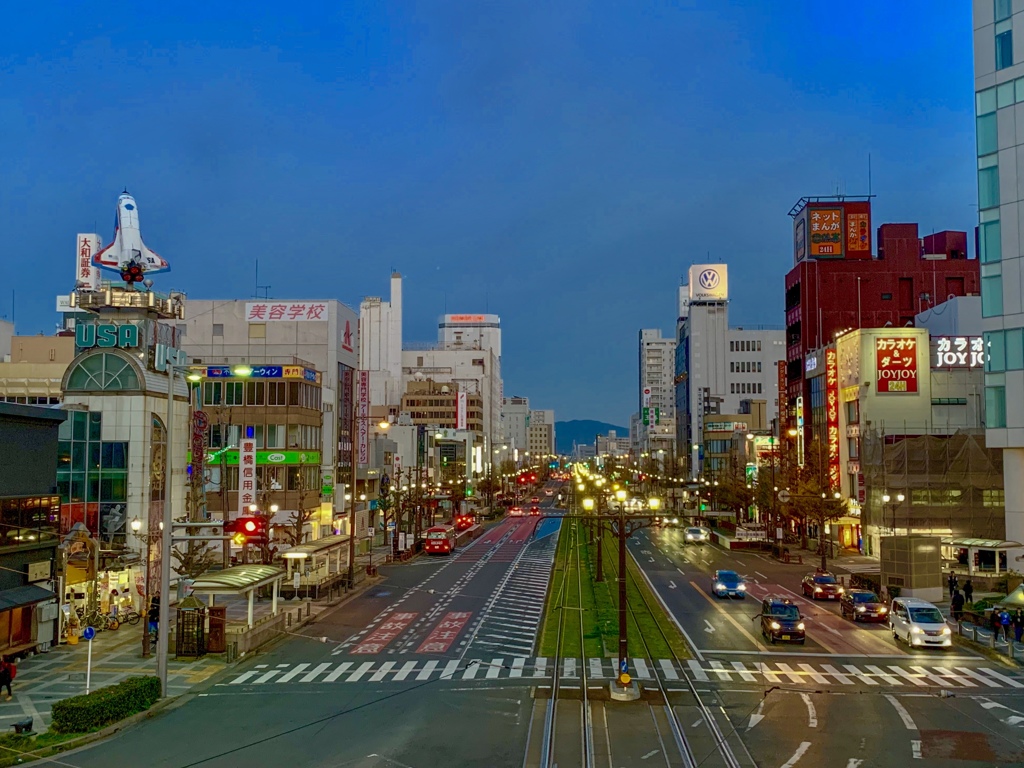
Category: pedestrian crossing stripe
[538,669]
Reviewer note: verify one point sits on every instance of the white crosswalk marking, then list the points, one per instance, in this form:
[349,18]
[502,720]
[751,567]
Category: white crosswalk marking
[670,672]
[814,674]
[721,671]
[868,679]
[903,675]
[401,674]
[839,676]
[697,671]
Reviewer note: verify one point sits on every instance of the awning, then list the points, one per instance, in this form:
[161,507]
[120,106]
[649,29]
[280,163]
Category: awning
[311,548]
[236,580]
[980,543]
[19,597]
[847,520]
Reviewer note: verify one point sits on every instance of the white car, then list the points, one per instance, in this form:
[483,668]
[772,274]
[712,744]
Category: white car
[919,623]
[697,536]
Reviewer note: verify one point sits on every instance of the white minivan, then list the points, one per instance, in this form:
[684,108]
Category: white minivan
[919,623]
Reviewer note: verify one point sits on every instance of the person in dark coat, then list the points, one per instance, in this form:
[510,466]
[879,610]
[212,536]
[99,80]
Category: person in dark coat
[7,673]
[968,591]
[1018,625]
[956,605]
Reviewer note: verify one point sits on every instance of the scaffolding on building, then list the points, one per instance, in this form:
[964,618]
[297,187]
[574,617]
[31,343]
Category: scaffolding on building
[952,482]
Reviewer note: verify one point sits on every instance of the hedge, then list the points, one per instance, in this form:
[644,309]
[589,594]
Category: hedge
[81,714]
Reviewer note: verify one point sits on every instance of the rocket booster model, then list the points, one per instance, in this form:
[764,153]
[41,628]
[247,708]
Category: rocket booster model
[128,254]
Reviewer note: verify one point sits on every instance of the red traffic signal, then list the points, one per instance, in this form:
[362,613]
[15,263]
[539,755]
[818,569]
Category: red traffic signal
[247,529]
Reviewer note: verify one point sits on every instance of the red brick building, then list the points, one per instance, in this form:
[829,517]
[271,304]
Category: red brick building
[838,282]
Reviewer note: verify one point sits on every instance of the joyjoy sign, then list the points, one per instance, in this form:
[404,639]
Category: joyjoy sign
[896,364]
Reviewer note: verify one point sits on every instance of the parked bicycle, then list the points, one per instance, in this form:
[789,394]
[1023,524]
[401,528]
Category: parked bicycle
[128,616]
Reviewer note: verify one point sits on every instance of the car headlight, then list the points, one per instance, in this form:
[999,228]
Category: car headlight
[776,625]
[718,586]
[946,631]
[817,589]
[800,626]
[916,630]
[742,587]
[841,590]
[883,609]
[675,520]
[861,609]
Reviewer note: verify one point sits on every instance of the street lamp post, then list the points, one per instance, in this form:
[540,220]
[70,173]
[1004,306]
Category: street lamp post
[148,539]
[886,498]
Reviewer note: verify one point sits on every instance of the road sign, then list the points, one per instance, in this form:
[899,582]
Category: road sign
[89,633]
[784,496]
[624,666]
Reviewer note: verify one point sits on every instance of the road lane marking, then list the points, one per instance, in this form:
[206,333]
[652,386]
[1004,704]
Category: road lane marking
[496,665]
[267,676]
[804,746]
[595,667]
[814,674]
[671,584]
[721,671]
[860,675]
[971,673]
[569,668]
[517,667]
[854,762]
[309,677]
[758,716]
[698,672]
[404,672]
[761,575]
[365,667]
[379,675]
[642,670]
[728,617]
[294,673]
[770,677]
[935,679]
[668,670]
[471,670]
[879,672]
[708,628]
[789,671]
[427,669]
[748,676]
[908,721]
[916,680]
[915,748]
[843,679]
[812,714]
[945,672]
[540,667]
[1008,680]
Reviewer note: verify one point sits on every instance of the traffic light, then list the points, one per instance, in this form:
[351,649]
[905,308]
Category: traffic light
[247,530]
[469,491]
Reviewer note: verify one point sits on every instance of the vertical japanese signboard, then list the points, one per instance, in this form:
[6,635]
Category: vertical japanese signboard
[896,364]
[246,474]
[800,431]
[363,415]
[460,410]
[87,275]
[832,416]
[826,232]
[200,422]
[783,397]
[858,233]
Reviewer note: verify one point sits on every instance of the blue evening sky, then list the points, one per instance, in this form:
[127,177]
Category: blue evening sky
[559,163]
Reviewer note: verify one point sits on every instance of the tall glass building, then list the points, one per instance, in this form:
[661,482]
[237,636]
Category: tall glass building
[999,109]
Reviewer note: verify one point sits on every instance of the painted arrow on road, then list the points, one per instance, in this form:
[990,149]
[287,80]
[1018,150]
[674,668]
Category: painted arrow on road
[671,585]
[756,717]
[708,628]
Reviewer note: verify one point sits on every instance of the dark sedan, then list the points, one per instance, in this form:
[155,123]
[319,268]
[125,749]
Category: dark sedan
[781,620]
[862,605]
[821,586]
[728,584]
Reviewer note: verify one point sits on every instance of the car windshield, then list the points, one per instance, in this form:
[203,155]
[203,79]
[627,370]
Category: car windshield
[865,597]
[728,577]
[824,579]
[926,615]
[694,531]
[787,612]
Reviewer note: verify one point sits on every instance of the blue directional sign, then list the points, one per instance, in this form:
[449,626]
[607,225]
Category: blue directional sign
[624,666]
[89,633]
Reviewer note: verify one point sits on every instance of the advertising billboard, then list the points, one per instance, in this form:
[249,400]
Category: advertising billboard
[709,282]
[87,274]
[800,238]
[783,394]
[460,410]
[285,311]
[832,416]
[958,352]
[246,474]
[363,415]
[825,227]
[858,233]
[896,364]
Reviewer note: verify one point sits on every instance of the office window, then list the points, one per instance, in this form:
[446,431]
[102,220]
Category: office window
[276,435]
[233,393]
[995,407]
[986,101]
[994,497]
[995,346]
[732,367]
[758,364]
[1003,9]
[992,296]
[988,186]
[759,385]
[1014,349]
[991,242]
[213,392]
[218,329]
[1004,46]
[988,136]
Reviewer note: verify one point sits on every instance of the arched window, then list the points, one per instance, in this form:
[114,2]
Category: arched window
[101,373]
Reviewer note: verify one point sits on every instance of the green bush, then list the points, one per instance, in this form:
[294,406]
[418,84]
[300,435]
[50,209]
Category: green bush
[81,714]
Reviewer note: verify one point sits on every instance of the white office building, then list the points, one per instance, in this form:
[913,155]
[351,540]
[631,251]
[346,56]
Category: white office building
[380,345]
[515,419]
[999,102]
[657,407]
[718,369]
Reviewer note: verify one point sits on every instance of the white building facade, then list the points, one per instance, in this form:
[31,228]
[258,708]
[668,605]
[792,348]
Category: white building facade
[515,417]
[657,406]
[999,102]
[380,345]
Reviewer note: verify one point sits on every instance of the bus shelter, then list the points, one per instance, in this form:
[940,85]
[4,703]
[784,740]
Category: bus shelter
[242,581]
[315,563]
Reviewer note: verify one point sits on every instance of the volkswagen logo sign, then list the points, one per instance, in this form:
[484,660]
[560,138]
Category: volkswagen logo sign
[708,279]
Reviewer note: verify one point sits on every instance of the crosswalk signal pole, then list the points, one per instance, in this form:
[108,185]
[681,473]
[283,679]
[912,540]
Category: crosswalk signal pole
[623,642]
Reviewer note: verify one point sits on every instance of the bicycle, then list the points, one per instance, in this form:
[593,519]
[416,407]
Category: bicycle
[128,616]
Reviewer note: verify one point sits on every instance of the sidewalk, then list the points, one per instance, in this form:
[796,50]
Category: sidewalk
[117,654]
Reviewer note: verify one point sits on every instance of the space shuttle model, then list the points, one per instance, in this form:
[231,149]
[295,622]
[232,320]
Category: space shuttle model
[128,255]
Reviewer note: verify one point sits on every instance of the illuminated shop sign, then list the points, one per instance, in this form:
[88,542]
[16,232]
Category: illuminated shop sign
[958,352]
[896,364]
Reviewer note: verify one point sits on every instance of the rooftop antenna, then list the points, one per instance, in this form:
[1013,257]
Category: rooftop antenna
[266,288]
[869,174]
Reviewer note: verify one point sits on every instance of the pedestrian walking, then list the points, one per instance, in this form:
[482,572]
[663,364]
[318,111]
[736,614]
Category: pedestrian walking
[1005,623]
[968,591]
[7,674]
[952,583]
[956,605]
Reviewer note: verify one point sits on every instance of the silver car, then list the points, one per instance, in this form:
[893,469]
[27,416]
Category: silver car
[697,535]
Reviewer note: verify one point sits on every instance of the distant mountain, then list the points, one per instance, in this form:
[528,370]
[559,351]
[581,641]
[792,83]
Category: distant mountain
[582,431]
